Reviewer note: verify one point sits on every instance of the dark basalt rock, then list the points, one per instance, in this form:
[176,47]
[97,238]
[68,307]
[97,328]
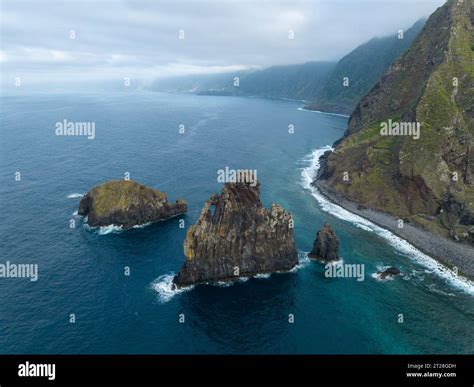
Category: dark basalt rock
[127,204]
[326,245]
[390,272]
[235,236]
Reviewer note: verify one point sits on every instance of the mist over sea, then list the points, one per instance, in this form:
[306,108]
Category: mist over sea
[81,271]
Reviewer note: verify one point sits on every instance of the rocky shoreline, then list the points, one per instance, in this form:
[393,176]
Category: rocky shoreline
[407,151]
[448,252]
[332,113]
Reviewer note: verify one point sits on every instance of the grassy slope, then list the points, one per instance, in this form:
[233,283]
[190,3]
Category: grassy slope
[376,55]
[411,178]
[121,194]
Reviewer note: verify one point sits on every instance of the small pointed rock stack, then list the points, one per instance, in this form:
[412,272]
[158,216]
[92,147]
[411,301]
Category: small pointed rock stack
[326,245]
[236,236]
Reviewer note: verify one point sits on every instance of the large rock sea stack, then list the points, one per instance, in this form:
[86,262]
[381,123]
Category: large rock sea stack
[127,203]
[326,245]
[235,236]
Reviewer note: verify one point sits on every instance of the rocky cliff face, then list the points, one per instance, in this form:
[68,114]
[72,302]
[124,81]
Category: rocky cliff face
[236,236]
[362,67]
[127,203]
[427,180]
[326,245]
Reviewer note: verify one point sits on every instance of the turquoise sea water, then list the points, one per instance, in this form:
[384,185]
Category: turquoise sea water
[81,271]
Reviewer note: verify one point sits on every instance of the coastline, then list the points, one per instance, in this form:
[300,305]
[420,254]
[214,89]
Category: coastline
[323,112]
[443,250]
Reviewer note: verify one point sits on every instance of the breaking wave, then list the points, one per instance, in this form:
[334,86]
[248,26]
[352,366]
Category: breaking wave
[320,112]
[163,285]
[75,195]
[309,173]
[110,229]
[165,288]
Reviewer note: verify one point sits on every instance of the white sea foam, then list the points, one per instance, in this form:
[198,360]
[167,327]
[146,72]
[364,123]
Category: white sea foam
[165,288]
[110,229]
[416,275]
[222,284]
[307,176]
[142,225]
[433,289]
[75,195]
[303,261]
[378,277]
[75,213]
[339,262]
[320,112]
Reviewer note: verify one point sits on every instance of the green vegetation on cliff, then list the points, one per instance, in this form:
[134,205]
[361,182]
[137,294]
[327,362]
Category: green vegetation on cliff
[127,203]
[363,67]
[121,194]
[299,81]
[426,180]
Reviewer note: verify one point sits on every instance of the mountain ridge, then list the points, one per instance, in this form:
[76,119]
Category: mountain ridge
[318,83]
[428,180]
[297,81]
[362,67]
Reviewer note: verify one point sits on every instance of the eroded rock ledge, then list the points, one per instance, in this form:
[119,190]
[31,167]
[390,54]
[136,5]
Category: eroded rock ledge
[127,204]
[235,236]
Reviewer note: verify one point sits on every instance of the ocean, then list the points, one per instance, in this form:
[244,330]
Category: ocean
[83,301]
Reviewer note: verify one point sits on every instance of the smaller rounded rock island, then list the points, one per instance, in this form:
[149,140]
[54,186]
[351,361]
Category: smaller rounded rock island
[127,203]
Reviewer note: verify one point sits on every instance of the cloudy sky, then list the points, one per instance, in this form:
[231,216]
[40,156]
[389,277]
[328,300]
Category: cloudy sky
[58,41]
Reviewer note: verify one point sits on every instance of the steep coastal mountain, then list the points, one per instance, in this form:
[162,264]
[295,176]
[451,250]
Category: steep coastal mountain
[236,236]
[408,149]
[127,204]
[318,82]
[300,81]
[363,67]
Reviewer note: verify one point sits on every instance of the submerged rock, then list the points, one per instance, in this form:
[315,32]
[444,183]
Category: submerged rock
[326,245]
[127,203]
[390,272]
[235,236]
